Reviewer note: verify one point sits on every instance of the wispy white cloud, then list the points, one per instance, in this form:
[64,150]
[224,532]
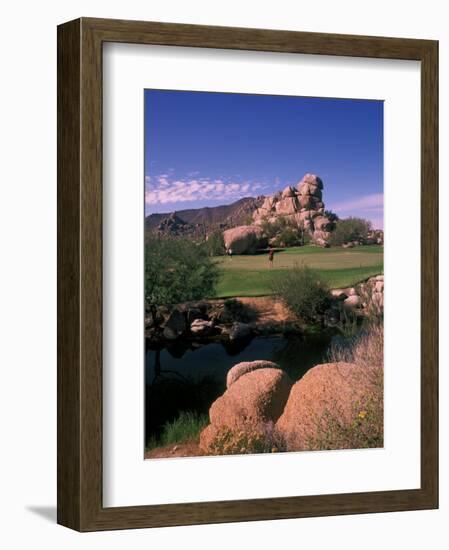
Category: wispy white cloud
[366,203]
[370,207]
[161,189]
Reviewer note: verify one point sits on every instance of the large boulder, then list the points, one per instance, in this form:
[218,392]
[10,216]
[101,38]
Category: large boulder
[327,393]
[352,301]
[322,223]
[247,366]
[244,239]
[320,237]
[306,201]
[238,331]
[311,179]
[267,203]
[306,189]
[288,192]
[287,205]
[201,327]
[256,397]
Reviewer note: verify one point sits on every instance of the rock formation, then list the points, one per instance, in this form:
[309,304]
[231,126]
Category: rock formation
[175,226]
[303,205]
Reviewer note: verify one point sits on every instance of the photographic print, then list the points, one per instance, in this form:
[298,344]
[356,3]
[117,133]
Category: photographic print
[264,285]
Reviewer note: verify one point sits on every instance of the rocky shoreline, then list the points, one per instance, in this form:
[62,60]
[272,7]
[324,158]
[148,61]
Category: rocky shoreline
[220,320]
[237,319]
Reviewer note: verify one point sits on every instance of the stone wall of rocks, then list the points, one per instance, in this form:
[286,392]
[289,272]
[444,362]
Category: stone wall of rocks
[301,204]
[220,319]
[365,299]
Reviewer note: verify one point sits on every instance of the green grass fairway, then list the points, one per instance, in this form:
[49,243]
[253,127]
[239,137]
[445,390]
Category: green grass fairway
[339,267]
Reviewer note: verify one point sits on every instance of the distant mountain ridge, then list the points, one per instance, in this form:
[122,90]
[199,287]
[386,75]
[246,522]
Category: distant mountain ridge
[204,220]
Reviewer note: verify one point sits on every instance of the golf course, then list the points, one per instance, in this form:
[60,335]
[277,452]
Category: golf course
[251,275]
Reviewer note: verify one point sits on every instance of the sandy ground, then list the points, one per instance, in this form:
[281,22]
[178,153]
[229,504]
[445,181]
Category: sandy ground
[190,448]
[268,309]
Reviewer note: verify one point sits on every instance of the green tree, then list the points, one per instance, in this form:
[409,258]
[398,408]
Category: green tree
[332,217]
[214,244]
[177,270]
[350,229]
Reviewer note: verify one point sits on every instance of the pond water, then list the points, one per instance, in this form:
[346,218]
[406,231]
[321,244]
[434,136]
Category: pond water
[189,377]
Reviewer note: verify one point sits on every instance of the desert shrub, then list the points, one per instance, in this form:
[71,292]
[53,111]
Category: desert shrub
[273,228]
[349,229]
[247,438]
[186,427]
[215,245]
[177,270]
[365,427]
[235,310]
[303,291]
[289,236]
[285,232]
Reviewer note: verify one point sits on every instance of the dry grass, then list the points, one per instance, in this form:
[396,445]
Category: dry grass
[366,349]
[365,428]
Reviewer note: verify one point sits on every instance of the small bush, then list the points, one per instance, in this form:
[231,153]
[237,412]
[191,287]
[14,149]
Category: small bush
[303,291]
[247,438]
[186,427]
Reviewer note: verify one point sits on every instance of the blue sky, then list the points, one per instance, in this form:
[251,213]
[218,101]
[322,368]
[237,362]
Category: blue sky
[206,149]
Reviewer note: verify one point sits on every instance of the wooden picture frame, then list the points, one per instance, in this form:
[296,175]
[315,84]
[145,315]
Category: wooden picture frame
[80,504]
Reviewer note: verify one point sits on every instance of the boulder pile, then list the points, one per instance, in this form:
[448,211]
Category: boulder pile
[364,300]
[303,205]
[224,320]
